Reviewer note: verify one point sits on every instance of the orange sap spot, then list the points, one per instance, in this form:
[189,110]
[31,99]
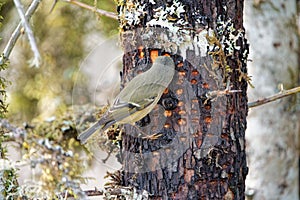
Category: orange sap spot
[141,54]
[181,73]
[207,119]
[166,91]
[205,85]
[168,113]
[207,107]
[180,103]
[167,125]
[180,64]
[140,50]
[195,72]
[153,55]
[181,112]
[194,111]
[195,120]
[181,122]
[179,91]
[194,81]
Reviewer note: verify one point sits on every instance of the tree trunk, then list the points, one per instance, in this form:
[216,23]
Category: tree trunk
[202,116]
[273,128]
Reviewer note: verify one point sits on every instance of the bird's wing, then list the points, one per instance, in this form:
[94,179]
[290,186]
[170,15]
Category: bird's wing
[128,103]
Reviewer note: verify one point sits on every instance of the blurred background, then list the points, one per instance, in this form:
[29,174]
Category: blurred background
[66,35]
[82,61]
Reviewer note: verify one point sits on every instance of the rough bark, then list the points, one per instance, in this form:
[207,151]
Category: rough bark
[273,128]
[202,116]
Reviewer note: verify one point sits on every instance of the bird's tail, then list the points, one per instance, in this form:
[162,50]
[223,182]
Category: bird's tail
[87,133]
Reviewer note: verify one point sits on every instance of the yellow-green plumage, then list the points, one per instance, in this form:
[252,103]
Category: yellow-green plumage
[138,97]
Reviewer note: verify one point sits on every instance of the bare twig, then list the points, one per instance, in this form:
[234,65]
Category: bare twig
[94,9]
[96,192]
[4,124]
[29,33]
[17,32]
[281,94]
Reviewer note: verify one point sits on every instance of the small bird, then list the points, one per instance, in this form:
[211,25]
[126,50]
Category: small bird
[137,98]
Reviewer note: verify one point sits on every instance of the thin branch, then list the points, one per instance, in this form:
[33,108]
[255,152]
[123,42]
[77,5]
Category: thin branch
[96,192]
[94,9]
[5,124]
[281,94]
[17,32]
[29,33]
[15,133]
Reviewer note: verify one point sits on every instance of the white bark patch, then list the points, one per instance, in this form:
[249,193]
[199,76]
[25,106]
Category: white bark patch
[272,134]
